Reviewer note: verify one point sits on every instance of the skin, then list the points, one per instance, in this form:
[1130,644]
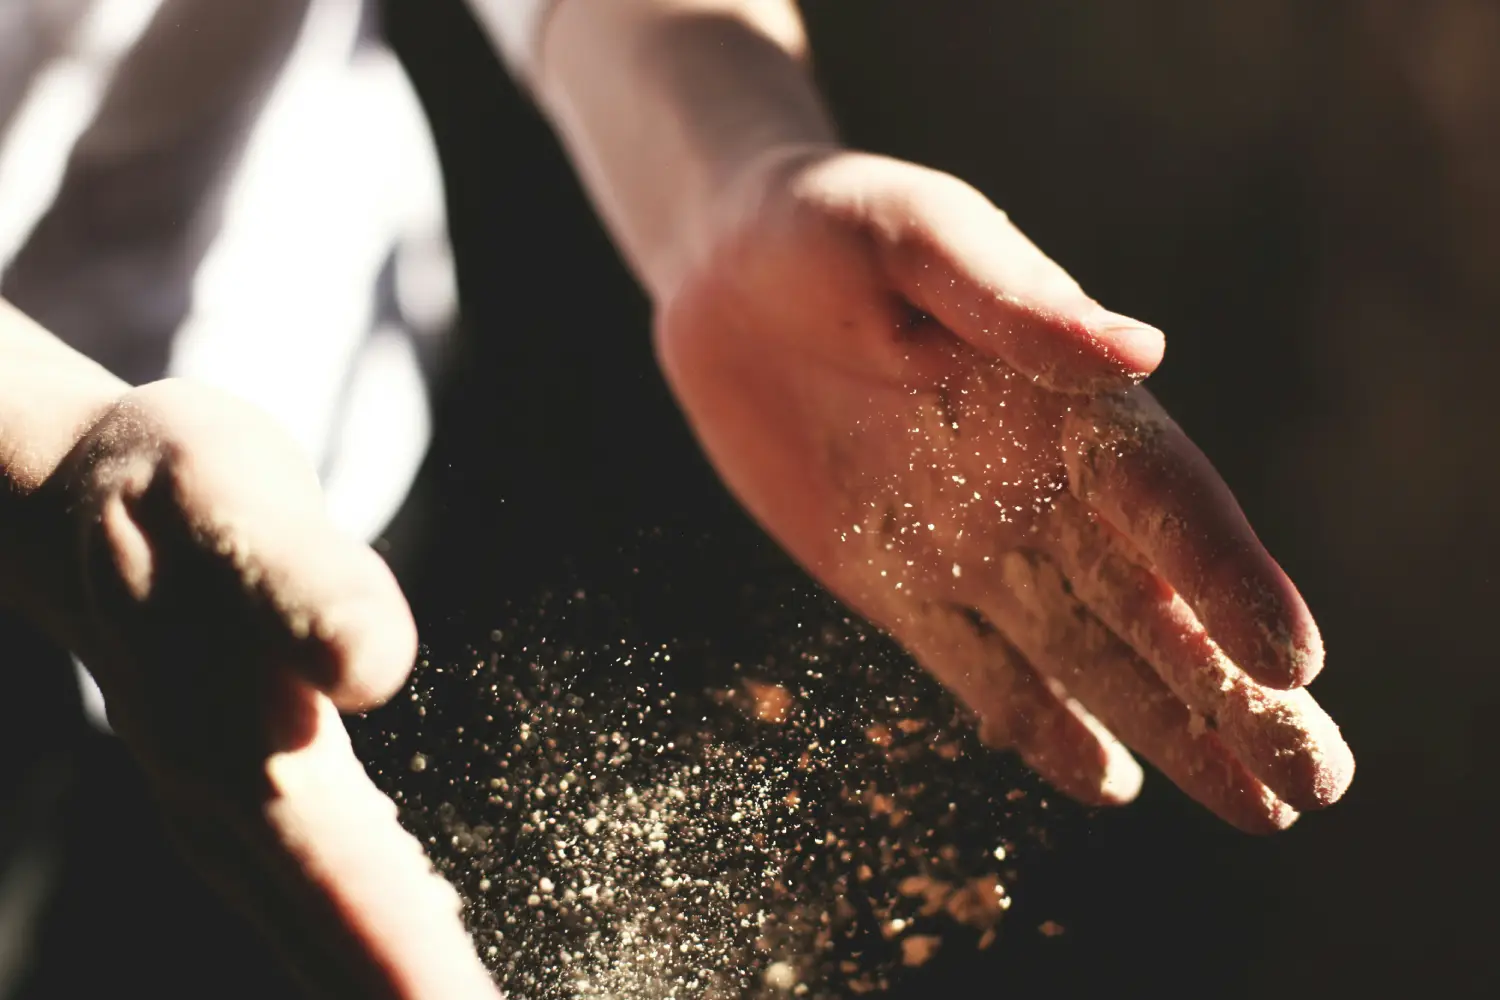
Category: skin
[891,378]
[228,623]
[999,510]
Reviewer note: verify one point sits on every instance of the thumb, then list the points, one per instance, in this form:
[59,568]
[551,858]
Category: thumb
[960,260]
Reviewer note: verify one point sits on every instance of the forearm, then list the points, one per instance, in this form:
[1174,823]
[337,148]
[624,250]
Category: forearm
[661,102]
[49,396]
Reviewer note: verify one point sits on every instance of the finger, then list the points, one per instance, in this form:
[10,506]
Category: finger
[1028,600]
[345,895]
[361,640]
[1130,462]
[1283,737]
[1016,709]
[302,594]
[958,258]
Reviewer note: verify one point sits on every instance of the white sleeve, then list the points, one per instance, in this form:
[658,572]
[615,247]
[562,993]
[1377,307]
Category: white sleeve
[516,28]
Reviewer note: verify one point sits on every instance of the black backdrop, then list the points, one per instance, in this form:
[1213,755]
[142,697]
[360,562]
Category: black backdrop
[1306,201]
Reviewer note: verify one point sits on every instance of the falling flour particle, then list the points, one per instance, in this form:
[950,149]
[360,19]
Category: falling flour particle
[771,701]
[805,828]
[780,976]
[918,949]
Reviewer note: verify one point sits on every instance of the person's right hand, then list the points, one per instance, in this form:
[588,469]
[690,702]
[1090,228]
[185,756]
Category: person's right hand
[227,623]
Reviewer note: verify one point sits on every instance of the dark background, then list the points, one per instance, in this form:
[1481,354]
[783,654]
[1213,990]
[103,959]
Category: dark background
[1306,197]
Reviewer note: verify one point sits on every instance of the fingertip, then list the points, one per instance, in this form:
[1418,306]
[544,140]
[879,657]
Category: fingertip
[1089,766]
[1263,624]
[1332,774]
[1113,780]
[1123,778]
[1304,653]
[1313,774]
[1266,816]
[1334,780]
[370,641]
[1289,635]
[1092,354]
[378,658]
[1135,348]
[1338,775]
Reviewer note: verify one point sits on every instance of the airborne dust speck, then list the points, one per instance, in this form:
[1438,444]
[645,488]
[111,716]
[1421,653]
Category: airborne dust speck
[621,828]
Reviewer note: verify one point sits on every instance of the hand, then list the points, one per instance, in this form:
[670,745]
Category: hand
[933,418]
[227,623]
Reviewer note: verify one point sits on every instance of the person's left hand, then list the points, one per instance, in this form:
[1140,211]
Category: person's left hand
[940,425]
[228,621]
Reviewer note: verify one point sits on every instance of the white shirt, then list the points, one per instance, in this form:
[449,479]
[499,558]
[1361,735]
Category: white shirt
[243,192]
[291,247]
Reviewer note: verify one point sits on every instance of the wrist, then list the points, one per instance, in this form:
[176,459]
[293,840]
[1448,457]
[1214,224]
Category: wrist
[747,194]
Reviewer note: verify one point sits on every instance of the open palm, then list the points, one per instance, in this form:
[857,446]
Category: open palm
[936,421]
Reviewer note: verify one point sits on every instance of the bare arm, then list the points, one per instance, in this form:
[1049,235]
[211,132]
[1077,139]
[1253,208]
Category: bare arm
[661,103]
[49,396]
